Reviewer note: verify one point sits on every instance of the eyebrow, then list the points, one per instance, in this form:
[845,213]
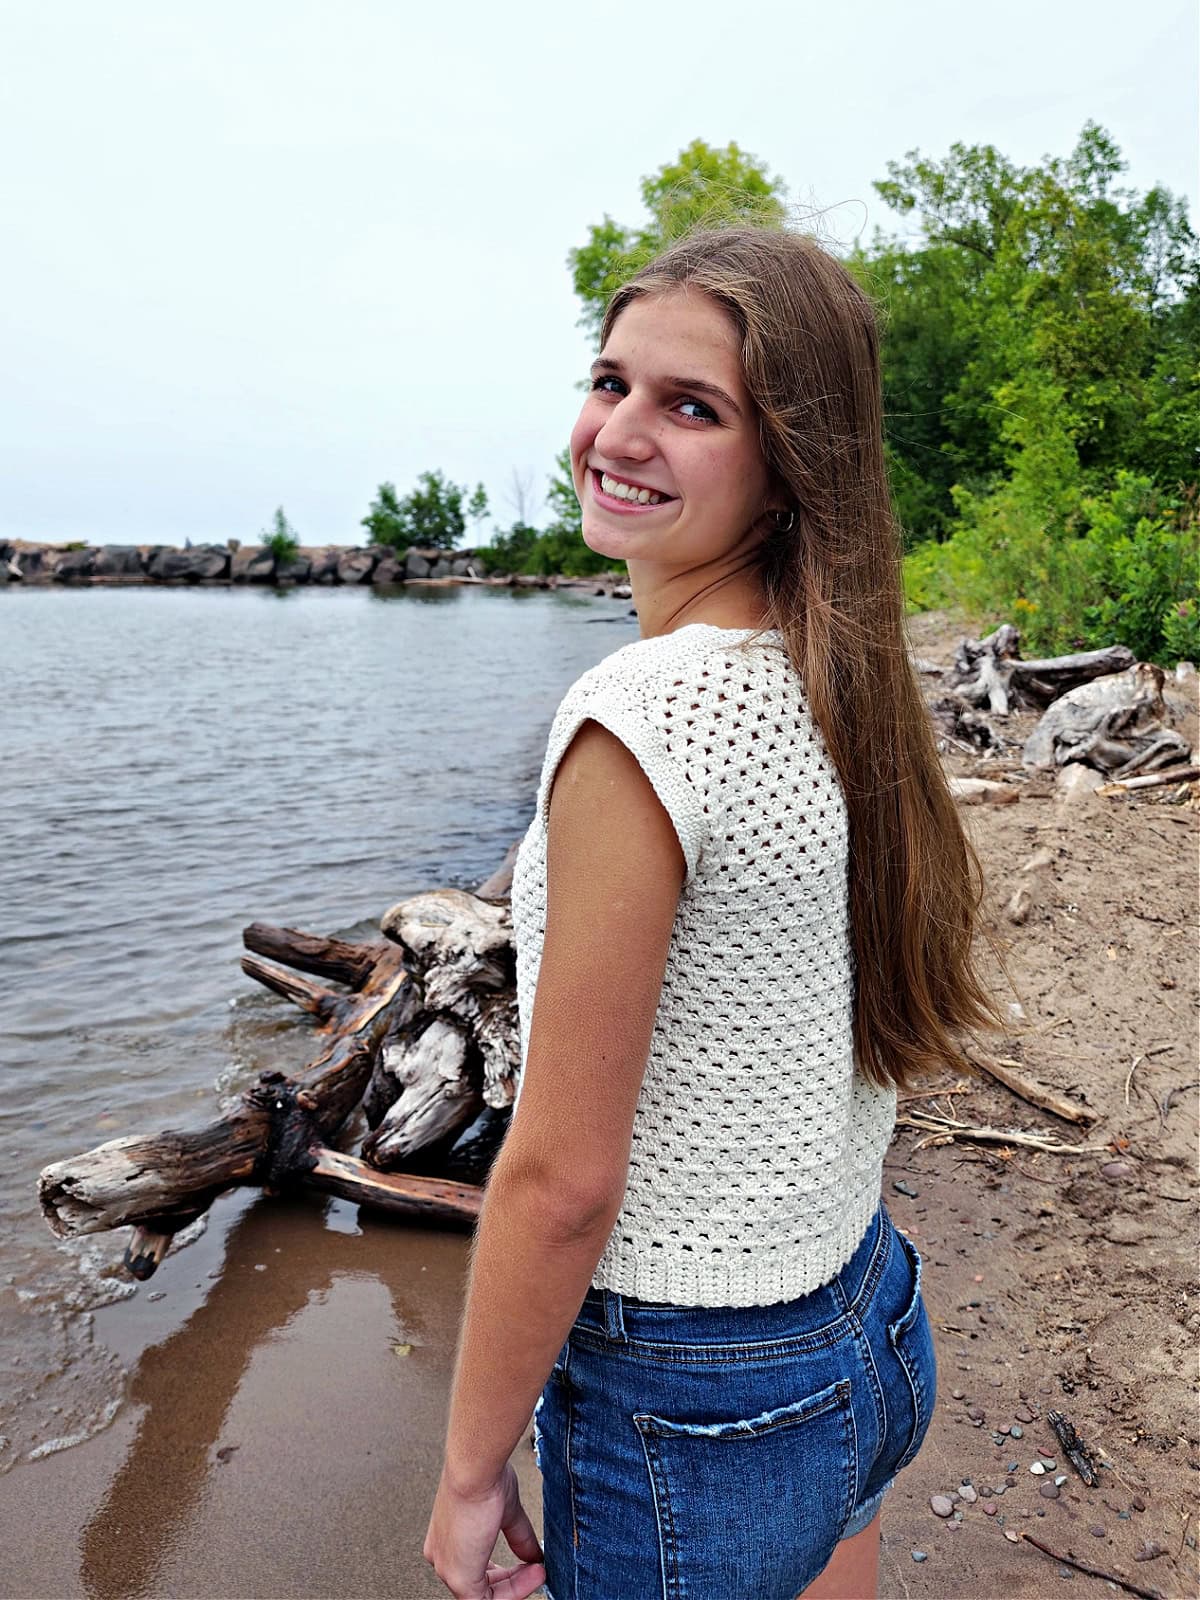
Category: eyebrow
[693,385]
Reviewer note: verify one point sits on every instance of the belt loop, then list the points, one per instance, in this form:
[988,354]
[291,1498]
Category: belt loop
[614,1318]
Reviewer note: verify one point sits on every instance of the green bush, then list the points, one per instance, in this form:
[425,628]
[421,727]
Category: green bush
[1140,552]
[1181,631]
[1121,568]
[281,538]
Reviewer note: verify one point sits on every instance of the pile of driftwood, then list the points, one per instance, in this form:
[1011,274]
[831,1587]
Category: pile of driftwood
[421,1029]
[1100,709]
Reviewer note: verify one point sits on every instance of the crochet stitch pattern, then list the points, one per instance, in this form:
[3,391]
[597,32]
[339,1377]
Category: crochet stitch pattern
[757,1149]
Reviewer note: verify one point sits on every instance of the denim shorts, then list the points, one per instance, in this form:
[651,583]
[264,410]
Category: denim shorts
[693,1451]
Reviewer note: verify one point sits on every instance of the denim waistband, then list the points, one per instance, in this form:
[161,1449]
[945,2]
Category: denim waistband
[619,1317]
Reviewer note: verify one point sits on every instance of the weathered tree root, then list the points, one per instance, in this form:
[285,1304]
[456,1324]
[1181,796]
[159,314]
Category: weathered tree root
[278,1132]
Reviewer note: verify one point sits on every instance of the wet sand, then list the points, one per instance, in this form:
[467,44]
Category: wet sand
[274,1441]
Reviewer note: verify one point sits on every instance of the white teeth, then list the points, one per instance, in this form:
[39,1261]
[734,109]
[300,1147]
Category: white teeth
[626,491]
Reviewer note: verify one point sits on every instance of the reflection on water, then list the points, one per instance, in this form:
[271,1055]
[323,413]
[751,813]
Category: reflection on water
[178,763]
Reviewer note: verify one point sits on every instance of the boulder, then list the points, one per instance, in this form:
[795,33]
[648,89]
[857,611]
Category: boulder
[117,561]
[323,565]
[252,564]
[295,570]
[355,566]
[415,565]
[34,561]
[74,566]
[463,567]
[389,569]
[441,568]
[203,562]
[1075,782]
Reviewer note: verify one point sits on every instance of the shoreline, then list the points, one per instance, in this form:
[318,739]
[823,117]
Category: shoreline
[29,564]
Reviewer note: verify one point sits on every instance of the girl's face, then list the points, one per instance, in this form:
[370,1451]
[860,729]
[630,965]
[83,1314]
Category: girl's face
[665,454]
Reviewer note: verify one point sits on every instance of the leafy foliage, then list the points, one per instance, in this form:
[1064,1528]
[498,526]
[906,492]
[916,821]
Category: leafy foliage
[1042,390]
[704,187]
[280,539]
[433,516]
[557,548]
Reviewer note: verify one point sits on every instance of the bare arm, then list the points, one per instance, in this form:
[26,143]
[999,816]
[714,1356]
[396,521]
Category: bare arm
[614,869]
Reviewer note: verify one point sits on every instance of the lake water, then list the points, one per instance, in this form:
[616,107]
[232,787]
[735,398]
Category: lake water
[178,763]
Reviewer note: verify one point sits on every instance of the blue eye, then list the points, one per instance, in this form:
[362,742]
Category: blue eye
[604,380]
[703,413]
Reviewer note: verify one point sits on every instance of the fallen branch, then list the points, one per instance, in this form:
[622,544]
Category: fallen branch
[1151,780]
[946,1129]
[1093,1572]
[159,1183]
[1008,1073]
[1073,1448]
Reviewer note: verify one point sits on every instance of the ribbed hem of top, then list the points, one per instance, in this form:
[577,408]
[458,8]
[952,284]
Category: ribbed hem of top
[674,1275]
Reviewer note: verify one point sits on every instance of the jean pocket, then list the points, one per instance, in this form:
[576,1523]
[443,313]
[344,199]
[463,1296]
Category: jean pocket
[911,1339]
[753,1506]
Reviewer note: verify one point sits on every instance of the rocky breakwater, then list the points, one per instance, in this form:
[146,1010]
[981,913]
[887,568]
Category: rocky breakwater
[24,562]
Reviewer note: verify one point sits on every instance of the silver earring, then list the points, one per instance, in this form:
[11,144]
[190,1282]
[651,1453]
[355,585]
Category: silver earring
[783,521]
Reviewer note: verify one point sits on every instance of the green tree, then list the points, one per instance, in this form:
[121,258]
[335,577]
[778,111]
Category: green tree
[566,514]
[704,187]
[1049,274]
[385,520]
[280,539]
[433,516]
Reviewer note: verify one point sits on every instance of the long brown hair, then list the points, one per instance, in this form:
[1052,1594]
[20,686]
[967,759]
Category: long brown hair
[810,359]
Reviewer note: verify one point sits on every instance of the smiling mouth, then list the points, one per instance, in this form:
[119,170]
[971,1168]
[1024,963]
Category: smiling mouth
[625,494]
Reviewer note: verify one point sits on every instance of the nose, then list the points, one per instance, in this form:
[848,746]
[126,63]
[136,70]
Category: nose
[627,433]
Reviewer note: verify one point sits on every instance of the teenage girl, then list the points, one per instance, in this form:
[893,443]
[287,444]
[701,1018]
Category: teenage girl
[743,915]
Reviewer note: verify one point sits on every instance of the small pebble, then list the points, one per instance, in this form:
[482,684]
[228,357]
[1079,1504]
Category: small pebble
[1013,1538]
[1023,1414]
[1017,1431]
[968,1494]
[1012,1466]
[1114,1171]
[1061,1479]
[1037,1469]
[990,1508]
[956,1394]
[975,1414]
[941,1505]
[919,1556]
[1065,1572]
[1096,1531]
[1138,1503]
[904,1188]
[1049,1491]
[159,1294]
[1050,1464]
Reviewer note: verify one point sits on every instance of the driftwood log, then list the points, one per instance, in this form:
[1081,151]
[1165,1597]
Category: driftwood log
[1100,708]
[424,1027]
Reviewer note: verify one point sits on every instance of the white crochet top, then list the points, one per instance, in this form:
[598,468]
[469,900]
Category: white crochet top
[757,1151]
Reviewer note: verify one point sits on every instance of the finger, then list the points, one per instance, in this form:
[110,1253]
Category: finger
[522,1536]
[516,1583]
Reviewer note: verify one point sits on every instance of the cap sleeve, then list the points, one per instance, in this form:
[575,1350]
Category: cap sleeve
[633,712]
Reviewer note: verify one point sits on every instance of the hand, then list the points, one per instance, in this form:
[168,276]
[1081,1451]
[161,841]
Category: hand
[462,1534]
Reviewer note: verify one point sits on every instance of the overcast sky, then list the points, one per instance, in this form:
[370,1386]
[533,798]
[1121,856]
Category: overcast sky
[265,251]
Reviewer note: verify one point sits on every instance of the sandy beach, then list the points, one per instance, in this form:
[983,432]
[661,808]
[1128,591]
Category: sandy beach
[282,1431]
